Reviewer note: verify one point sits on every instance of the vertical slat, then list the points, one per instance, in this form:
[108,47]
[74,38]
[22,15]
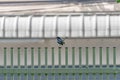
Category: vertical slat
[59,56]
[17,19]
[66,56]
[73,56]
[5,76]
[101,76]
[87,76]
[83,27]
[5,59]
[56,23]
[25,56]
[19,77]
[69,23]
[100,52]
[94,76]
[53,57]
[115,76]
[53,76]
[80,56]
[96,26]
[30,26]
[32,76]
[46,56]
[80,76]
[32,56]
[12,76]
[11,57]
[39,57]
[43,26]
[109,29]
[26,77]
[59,76]
[3,26]
[107,56]
[86,56]
[94,57]
[108,76]
[114,56]
[46,76]
[18,57]
[107,33]
[67,76]
[73,76]
[39,76]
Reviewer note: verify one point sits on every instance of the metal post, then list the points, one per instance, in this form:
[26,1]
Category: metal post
[5,59]
[11,57]
[107,76]
[5,76]
[73,56]
[25,54]
[32,76]
[18,57]
[32,56]
[46,76]
[26,77]
[73,76]
[87,57]
[12,76]
[39,75]
[53,57]
[66,56]
[87,78]
[114,76]
[101,76]
[19,77]
[67,76]
[59,56]
[53,77]
[80,56]
[80,76]
[39,57]
[46,57]
[94,76]
[100,49]
[94,57]
[107,56]
[114,56]
[60,76]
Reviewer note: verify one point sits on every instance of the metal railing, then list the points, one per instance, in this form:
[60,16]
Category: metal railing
[59,71]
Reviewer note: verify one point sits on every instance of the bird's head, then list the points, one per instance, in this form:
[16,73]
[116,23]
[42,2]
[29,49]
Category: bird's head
[58,37]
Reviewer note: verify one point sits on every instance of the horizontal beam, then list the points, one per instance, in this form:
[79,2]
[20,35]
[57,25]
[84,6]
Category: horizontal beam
[41,38]
[59,71]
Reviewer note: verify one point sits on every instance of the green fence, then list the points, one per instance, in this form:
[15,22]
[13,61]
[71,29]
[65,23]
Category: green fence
[77,71]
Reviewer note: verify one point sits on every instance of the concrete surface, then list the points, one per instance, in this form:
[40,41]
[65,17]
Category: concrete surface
[38,8]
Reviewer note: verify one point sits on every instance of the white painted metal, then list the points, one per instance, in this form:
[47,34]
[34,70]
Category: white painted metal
[50,26]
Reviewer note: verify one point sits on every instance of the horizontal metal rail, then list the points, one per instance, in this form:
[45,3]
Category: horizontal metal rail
[57,71]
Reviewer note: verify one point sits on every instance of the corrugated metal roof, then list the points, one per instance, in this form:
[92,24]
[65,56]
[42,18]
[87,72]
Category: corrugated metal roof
[50,26]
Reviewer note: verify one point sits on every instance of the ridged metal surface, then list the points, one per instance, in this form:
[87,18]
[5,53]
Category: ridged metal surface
[50,26]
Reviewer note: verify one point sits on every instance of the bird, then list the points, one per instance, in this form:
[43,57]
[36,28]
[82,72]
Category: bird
[60,41]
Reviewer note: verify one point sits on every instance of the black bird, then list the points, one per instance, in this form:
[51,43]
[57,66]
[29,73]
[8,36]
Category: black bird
[60,41]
